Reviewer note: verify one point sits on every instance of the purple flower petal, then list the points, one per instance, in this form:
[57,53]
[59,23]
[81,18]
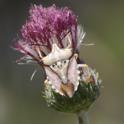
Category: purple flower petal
[45,23]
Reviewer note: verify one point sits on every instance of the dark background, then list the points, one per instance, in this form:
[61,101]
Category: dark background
[20,98]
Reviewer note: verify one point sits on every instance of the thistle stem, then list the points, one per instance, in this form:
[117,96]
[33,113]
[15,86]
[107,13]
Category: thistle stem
[82,118]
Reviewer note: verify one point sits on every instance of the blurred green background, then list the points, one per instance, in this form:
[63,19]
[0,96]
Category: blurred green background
[20,98]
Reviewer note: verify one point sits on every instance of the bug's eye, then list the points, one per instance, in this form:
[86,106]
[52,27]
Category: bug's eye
[65,61]
[53,66]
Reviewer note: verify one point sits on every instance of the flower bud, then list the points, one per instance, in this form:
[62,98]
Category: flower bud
[87,92]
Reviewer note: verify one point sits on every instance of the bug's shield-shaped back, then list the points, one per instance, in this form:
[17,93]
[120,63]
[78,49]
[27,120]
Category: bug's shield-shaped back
[68,88]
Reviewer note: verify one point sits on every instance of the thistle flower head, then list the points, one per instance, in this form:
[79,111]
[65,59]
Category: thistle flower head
[46,26]
[51,37]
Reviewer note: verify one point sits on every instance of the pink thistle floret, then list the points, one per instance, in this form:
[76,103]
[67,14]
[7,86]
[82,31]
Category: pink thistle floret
[51,37]
[42,25]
